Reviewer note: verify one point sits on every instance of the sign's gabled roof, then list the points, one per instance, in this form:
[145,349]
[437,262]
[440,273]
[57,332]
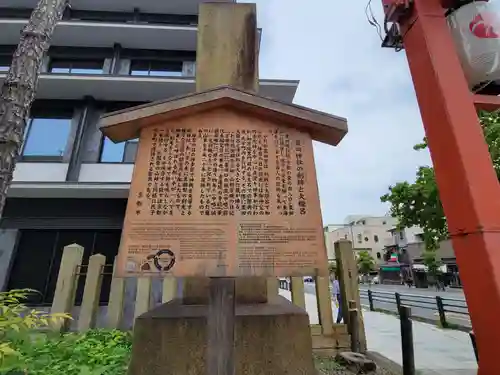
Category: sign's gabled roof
[126,124]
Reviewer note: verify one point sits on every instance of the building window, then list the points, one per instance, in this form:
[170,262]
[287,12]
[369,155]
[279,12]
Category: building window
[379,255]
[384,222]
[401,235]
[123,152]
[46,138]
[375,238]
[366,239]
[156,68]
[345,236]
[76,66]
[360,238]
[5,61]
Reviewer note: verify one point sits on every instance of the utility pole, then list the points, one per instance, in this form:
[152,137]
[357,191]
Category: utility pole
[18,90]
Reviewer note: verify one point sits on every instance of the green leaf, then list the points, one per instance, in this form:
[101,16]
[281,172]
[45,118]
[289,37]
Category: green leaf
[418,203]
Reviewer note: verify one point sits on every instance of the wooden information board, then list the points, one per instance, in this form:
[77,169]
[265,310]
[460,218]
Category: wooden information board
[223,194]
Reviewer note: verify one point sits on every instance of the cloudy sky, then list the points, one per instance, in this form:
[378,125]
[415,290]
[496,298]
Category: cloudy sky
[335,53]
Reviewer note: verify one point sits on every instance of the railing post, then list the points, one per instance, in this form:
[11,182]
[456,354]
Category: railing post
[169,289]
[297,289]
[64,296]
[442,313]
[273,287]
[143,296]
[324,301]
[407,341]
[116,295]
[354,327]
[91,293]
[474,345]
[398,300]
[370,300]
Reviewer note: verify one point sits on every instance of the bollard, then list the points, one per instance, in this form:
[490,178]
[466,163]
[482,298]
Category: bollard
[398,300]
[407,341]
[442,314]
[354,326]
[370,300]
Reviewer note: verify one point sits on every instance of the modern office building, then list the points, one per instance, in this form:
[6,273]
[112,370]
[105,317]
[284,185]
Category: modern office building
[71,184]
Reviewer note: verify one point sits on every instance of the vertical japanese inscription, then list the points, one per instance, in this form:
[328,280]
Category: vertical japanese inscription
[301,177]
[284,183]
[169,188]
[223,200]
[234,173]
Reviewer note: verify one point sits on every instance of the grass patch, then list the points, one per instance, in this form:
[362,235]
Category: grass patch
[96,352]
[326,365]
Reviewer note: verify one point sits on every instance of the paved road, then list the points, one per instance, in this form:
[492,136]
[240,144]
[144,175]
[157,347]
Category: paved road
[416,297]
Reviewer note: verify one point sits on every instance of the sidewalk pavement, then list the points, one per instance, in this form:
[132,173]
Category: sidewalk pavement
[437,351]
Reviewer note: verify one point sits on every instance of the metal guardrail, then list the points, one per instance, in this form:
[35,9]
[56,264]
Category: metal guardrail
[441,305]
[404,302]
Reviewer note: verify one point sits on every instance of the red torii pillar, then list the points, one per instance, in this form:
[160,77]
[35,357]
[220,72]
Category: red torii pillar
[468,185]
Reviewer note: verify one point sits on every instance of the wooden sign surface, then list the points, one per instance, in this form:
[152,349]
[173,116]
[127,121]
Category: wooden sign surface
[223,194]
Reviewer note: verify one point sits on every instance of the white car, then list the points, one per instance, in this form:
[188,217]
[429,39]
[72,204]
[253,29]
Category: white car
[376,280]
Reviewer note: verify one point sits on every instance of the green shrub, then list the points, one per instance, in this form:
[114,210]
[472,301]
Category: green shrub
[96,352]
[17,320]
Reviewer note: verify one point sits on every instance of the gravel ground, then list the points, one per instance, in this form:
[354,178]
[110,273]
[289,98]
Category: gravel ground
[328,366]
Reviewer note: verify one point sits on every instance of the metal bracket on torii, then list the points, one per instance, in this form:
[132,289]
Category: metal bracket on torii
[468,185]
[398,12]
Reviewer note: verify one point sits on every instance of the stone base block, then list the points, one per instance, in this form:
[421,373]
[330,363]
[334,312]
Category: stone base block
[273,338]
[248,290]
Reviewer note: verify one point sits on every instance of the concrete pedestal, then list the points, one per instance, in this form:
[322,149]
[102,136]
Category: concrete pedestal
[271,339]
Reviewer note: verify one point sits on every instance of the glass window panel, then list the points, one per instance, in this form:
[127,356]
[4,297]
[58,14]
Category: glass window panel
[60,66]
[59,70]
[87,67]
[166,68]
[77,66]
[5,63]
[139,72]
[130,151]
[112,152]
[86,71]
[139,68]
[156,68]
[47,137]
[164,73]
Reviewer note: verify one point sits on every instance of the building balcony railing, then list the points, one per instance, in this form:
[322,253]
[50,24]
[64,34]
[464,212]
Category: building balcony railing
[133,17]
[147,6]
[137,88]
[106,34]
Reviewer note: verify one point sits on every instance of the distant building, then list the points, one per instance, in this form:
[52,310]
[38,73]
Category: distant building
[373,233]
[445,254]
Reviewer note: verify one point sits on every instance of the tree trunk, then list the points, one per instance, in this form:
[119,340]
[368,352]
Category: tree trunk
[18,91]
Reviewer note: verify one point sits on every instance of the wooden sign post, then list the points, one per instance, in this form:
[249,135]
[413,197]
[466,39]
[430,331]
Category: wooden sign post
[224,194]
